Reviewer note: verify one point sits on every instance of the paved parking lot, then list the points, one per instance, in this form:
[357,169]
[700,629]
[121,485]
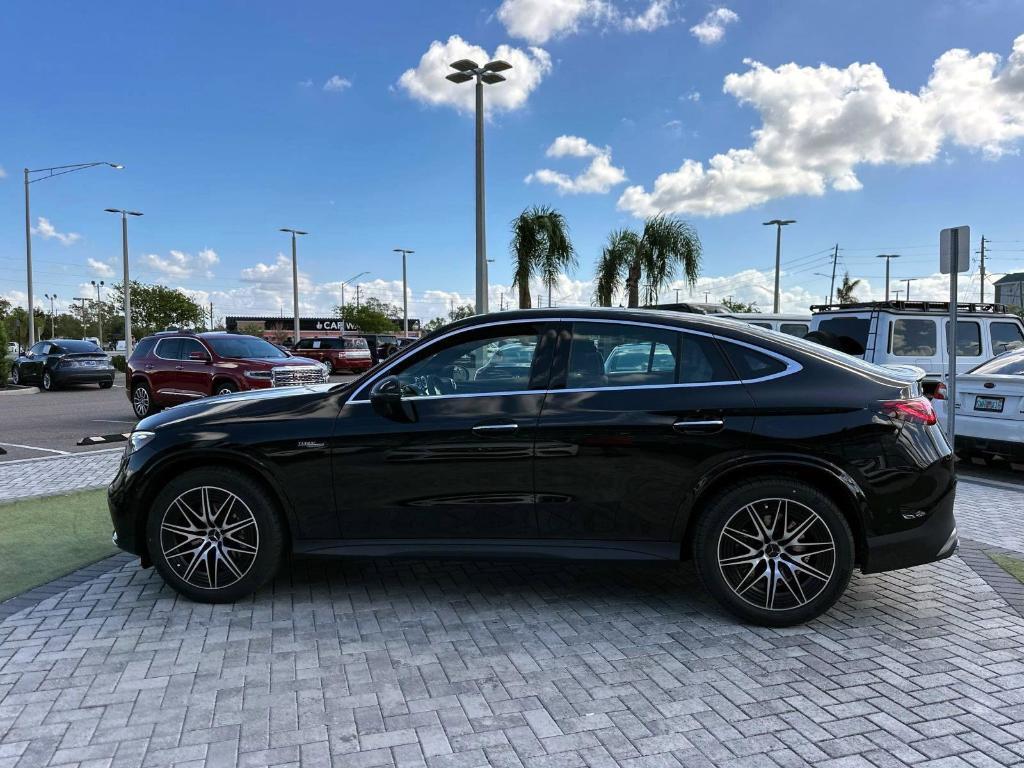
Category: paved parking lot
[450,664]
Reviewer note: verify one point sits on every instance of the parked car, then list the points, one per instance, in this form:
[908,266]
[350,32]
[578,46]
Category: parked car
[989,408]
[792,323]
[777,464]
[178,366]
[341,353]
[94,339]
[13,349]
[914,333]
[59,362]
[382,345]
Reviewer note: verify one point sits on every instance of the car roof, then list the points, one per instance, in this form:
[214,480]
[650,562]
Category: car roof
[709,323]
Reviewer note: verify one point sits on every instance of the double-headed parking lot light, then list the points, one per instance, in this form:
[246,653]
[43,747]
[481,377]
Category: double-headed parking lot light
[127,285]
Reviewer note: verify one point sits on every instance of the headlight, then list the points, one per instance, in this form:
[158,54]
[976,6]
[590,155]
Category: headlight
[264,375]
[136,440]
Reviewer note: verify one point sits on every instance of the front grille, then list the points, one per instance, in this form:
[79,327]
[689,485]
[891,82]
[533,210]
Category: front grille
[298,375]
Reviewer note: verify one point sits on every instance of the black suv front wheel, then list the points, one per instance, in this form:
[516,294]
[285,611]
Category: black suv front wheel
[774,551]
[214,535]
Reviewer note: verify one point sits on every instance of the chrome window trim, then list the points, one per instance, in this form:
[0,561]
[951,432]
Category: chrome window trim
[791,365]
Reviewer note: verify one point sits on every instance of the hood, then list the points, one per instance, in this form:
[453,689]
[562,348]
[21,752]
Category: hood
[225,406]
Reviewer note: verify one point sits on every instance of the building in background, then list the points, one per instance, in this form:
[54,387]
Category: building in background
[1010,290]
[280,330]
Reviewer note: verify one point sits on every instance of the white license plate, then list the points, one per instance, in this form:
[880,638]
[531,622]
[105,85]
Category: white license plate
[993,404]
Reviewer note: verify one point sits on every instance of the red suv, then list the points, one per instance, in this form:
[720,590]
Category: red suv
[175,367]
[347,353]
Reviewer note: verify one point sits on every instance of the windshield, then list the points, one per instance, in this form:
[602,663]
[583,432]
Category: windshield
[1011,364]
[244,347]
[71,345]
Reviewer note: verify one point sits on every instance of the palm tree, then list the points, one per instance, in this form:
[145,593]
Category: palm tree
[540,246]
[844,293]
[652,255]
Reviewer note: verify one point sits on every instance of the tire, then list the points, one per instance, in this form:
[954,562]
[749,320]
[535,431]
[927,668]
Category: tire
[15,375]
[48,383]
[106,384]
[142,401]
[224,388]
[209,553]
[809,576]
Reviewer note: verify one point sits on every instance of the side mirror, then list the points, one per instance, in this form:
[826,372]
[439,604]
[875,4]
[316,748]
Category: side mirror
[201,357]
[386,397]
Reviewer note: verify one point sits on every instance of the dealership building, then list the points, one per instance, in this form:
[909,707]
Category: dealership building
[281,329]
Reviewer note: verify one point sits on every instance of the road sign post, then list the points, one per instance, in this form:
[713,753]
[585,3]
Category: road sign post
[954,257]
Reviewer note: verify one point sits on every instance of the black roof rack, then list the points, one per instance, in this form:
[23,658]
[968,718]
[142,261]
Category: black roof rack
[914,306]
[166,331]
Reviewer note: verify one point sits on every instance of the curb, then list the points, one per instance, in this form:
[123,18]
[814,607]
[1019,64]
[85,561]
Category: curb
[22,391]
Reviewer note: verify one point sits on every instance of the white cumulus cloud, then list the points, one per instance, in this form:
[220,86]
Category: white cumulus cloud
[538,21]
[47,231]
[337,83]
[3,173]
[597,178]
[179,265]
[711,29]
[101,268]
[819,123]
[427,83]
[654,17]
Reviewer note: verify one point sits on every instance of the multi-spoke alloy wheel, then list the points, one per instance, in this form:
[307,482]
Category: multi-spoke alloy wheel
[774,551]
[776,554]
[215,534]
[209,537]
[141,402]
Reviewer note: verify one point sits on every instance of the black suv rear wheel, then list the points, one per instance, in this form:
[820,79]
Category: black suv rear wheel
[774,551]
[214,535]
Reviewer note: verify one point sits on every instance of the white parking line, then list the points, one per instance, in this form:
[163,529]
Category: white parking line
[115,421]
[54,458]
[34,448]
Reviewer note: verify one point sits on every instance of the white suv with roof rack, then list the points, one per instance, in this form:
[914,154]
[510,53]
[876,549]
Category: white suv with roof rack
[789,323]
[914,333]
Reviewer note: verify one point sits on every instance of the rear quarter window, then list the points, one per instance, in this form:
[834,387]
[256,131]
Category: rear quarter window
[143,348]
[751,363]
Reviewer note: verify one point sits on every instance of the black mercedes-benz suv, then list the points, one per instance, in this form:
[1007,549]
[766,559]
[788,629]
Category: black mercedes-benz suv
[776,464]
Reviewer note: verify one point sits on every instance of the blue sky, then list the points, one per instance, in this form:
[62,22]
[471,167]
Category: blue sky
[220,115]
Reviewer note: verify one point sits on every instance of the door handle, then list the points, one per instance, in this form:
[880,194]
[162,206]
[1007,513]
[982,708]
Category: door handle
[697,426]
[149,367]
[494,429]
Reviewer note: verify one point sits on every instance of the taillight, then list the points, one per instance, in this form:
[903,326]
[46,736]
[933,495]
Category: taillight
[940,392]
[917,409]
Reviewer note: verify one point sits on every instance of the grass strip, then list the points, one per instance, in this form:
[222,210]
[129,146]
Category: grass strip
[1012,565]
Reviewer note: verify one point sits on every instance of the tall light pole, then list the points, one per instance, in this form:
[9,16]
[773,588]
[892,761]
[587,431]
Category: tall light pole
[908,280]
[126,284]
[888,257]
[53,326]
[99,309]
[343,284]
[48,173]
[467,70]
[779,224]
[295,281]
[405,292]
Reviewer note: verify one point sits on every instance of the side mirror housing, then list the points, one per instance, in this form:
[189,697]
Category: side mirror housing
[387,400]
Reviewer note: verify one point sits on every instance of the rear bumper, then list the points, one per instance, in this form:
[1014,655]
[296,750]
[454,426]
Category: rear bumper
[1012,451]
[934,539]
[82,376]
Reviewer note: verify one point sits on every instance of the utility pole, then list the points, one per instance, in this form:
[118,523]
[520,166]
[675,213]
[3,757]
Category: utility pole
[295,281]
[706,294]
[907,281]
[126,282]
[778,224]
[888,257]
[211,316]
[677,295]
[405,292]
[357,295]
[982,270]
[99,310]
[53,331]
[898,292]
[832,286]
[81,300]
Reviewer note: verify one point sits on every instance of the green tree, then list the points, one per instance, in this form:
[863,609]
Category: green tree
[4,362]
[157,307]
[372,316]
[455,313]
[739,306]
[845,290]
[540,247]
[5,308]
[651,256]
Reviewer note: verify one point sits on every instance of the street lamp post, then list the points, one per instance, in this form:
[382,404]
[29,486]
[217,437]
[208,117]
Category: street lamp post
[53,326]
[779,224]
[99,309]
[343,284]
[467,70]
[295,281]
[908,281]
[57,170]
[405,292]
[126,285]
[888,257]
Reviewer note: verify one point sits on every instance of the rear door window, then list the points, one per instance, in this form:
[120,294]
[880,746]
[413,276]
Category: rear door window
[1005,336]
[851,332]
[912,337]
[968,338]
[795,329]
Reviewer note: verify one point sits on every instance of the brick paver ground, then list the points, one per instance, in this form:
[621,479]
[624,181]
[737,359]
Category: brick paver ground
[458,664]
[26,478]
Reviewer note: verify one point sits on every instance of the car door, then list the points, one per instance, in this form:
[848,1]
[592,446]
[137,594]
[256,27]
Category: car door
[193,377]
[635,416]
[462,467]
[32,368]
[164,371]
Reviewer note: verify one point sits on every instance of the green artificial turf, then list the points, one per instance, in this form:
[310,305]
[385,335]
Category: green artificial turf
[1011,565]
[44,539]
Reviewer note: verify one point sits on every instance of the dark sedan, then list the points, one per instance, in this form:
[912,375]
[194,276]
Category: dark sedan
[60,362]
[776,464]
